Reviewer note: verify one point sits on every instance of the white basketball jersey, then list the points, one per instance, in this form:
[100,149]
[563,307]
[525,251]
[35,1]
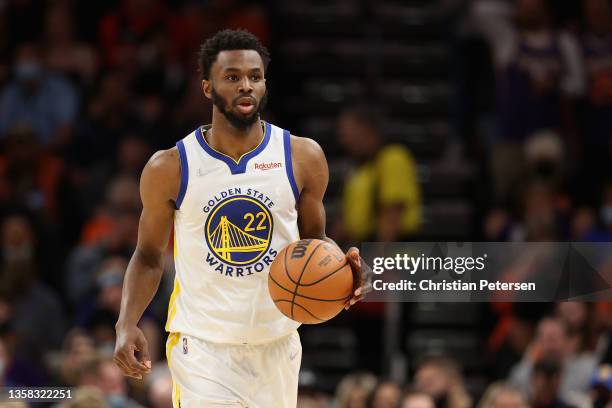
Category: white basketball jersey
[232,219]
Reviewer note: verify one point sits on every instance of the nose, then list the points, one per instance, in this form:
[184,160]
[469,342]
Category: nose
[245,86]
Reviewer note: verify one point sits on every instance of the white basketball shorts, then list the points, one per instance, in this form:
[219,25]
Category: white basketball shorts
[208,374]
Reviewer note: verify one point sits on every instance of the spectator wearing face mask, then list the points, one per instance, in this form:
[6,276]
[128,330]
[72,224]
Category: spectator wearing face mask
[45,101]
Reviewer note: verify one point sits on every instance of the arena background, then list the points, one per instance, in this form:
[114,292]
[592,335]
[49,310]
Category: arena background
[498,113]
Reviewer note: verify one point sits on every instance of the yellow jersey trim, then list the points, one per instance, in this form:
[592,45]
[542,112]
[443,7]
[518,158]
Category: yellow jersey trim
[263,137]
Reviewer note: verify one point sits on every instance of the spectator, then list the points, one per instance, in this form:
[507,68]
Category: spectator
[107,115]
[16,367]
[45,101]
[440,378]
[501,395]
[382,199]
[29,176]
[575,369]
[578,318]
[386,395]
[78,348]
[36,311]
[101,314]
[545,158]
[539,71]
[545,391]
[353,390]
[103,374]
[63,51]
[112,232]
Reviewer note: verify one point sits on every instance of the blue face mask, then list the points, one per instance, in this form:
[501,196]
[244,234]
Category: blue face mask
[28,71]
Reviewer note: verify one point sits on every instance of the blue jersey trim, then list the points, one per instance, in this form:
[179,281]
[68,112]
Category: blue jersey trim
[236,167]
[184,173]
[289,164]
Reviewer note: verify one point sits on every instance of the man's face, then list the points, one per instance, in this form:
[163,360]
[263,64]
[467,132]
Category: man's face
[551,337]
[237,86]
[432,380]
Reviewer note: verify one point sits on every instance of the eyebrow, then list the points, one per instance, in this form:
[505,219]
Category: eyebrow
[234,69]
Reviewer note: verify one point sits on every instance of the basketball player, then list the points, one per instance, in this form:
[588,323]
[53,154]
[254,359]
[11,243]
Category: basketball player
[237,192]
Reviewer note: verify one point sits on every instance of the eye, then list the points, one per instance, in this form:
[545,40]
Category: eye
[232,77]
[255,77]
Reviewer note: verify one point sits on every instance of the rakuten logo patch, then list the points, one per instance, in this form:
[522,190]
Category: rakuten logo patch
[268,166]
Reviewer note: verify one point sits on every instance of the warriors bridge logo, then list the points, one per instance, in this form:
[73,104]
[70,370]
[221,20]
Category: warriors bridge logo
[238,232]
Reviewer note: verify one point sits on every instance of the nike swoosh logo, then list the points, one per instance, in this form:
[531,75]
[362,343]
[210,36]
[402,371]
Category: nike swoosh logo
[293,355]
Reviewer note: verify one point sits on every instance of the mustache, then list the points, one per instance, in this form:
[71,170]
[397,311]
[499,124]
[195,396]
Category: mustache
[250,97]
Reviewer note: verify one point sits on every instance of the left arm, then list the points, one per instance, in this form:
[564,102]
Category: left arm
[312,175]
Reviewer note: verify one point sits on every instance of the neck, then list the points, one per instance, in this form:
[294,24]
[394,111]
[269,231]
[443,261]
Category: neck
[231,141]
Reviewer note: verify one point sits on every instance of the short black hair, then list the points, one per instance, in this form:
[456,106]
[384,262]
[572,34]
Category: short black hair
[229,40]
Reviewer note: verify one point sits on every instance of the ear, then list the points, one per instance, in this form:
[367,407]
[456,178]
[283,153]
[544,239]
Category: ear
[207,88]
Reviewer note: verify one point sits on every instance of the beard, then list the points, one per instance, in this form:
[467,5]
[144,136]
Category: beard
[238,120]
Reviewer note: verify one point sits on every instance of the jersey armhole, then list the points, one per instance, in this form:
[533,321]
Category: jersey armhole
[289,164]
[184,173]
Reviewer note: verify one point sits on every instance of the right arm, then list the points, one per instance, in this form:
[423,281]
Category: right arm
[159,186]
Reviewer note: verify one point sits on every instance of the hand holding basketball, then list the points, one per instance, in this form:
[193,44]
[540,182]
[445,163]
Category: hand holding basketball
[311,281]
[361,277]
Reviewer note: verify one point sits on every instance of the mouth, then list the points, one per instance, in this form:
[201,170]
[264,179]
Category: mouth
[245,105]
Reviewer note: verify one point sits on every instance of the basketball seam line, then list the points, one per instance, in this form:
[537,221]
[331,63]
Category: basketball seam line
[326,276]
[304,296]
[297,304]
[301,273]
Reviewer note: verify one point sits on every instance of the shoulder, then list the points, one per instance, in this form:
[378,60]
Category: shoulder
[306,149]
[310,165]
[394,155]
[162,172]
[164,160]
[394,150]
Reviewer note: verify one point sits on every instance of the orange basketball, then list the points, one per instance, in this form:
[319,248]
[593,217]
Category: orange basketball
[310,281]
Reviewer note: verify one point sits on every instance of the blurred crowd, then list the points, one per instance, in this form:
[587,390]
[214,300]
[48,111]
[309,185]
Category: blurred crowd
[562,359]
[89,90]
[536,102]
